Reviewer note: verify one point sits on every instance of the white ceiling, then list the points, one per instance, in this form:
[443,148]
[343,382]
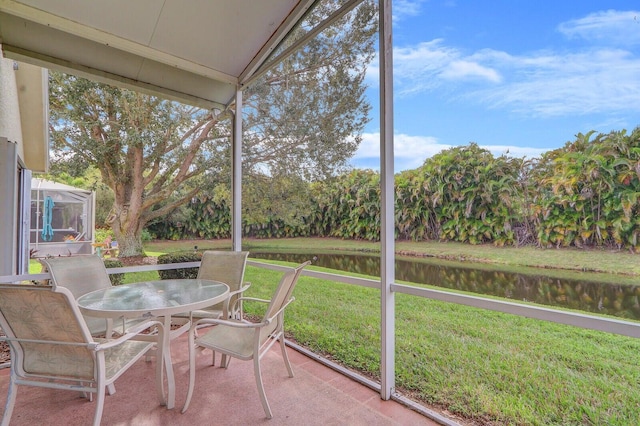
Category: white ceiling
[194,51]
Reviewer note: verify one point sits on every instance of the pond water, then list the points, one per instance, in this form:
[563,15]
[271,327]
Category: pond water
[581,291]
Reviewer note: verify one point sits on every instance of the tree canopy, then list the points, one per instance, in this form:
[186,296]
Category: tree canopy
[302,119]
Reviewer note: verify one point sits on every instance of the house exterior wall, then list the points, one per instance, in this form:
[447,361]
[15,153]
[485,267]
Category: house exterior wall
[24,111]
[10,150]
[23,147]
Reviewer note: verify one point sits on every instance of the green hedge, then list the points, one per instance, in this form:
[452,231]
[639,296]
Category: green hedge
[116,279]
[179,258]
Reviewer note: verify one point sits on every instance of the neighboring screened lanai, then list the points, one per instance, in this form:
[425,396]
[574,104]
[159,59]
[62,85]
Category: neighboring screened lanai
[203,53]
[62,219]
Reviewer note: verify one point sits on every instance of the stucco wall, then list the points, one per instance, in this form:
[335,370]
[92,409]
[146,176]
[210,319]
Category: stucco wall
[24,111]
[10,126]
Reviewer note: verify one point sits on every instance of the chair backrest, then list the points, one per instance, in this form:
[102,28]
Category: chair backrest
[80,274]
[285,289]
[225,266]
[41,314]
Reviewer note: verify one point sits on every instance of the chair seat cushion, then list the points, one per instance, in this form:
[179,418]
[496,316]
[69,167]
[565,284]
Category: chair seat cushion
[123,355]
[228,340]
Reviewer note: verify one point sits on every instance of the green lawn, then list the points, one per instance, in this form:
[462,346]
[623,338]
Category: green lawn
[484,365]
[490,367]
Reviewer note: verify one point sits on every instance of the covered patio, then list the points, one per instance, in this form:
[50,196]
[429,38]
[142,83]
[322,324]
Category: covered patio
[317,395]
[204,54]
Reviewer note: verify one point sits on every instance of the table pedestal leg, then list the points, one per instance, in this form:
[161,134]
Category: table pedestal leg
[164,360]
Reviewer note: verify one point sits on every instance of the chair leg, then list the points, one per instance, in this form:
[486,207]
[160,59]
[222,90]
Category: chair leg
[11,400]
[192,369]
[285,356]
[263,396]
[111,389]
[100,394]
[224,361]
[88,395]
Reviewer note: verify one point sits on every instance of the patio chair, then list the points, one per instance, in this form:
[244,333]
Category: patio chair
[227,267]
[51,345]
[81,275]
[244,340]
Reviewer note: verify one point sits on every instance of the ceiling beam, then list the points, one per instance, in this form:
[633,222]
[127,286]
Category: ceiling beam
[101,76]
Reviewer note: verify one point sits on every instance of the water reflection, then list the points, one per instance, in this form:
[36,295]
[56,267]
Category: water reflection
[621,300]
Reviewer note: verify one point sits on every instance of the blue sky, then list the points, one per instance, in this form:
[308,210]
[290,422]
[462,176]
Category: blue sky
[515,76]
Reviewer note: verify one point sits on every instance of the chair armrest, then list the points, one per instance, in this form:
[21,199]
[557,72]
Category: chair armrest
[96,346]
[236,324]
[90,345]
[255,299]
[241,290]
[240,299]
[225,305]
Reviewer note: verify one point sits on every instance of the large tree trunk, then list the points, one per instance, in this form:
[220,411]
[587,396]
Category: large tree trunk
[127,229]
[130,245]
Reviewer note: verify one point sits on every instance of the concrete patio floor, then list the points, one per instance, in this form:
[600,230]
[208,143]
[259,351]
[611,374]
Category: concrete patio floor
[317,395]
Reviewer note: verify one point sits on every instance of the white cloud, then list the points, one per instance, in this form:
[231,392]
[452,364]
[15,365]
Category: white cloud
[409,151]
[538,84]
[552,85]
[611,26]
[429,65]
[404,146]
[403,8]
[458,70]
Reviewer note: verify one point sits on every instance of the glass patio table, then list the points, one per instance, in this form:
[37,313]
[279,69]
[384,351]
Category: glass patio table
[162,299]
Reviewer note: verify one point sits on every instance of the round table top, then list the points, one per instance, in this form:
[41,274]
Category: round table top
[157,298]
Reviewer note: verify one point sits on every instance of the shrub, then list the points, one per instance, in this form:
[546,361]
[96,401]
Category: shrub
[116,279]
[147,236]
[179,258]
[101,234]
